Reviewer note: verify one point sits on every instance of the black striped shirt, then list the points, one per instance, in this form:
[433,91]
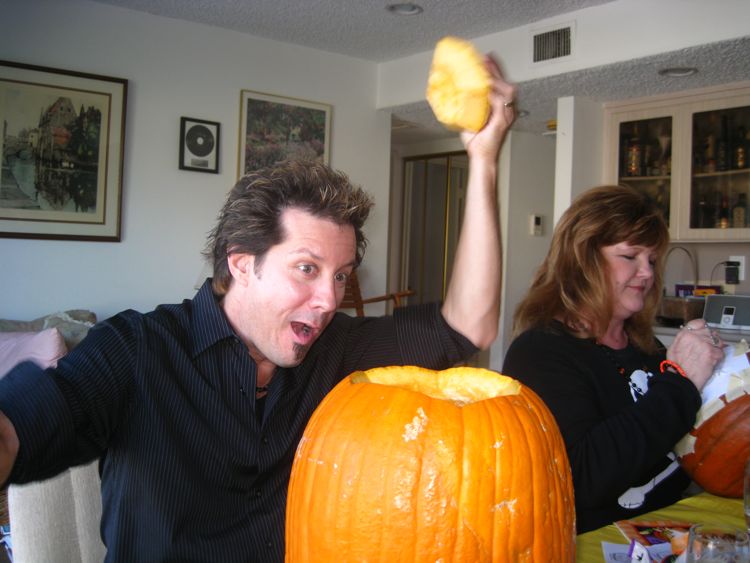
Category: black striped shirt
[166,400]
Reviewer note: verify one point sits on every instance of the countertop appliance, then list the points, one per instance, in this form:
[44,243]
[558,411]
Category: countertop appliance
[728,312]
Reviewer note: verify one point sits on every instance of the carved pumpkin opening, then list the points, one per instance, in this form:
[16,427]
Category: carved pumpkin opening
[461,385]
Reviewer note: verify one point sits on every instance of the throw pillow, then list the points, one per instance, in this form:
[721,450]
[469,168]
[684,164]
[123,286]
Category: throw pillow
[44,348]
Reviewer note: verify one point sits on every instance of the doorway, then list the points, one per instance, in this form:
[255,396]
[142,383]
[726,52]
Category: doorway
[434,195]
[433,206]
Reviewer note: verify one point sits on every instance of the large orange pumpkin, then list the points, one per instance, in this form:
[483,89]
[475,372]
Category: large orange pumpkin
[715,450]
[409,464]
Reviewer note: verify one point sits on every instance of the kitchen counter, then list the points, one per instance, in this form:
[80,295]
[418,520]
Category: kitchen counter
[667,333]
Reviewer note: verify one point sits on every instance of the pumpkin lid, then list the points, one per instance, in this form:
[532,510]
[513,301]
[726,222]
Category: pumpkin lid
[458,85]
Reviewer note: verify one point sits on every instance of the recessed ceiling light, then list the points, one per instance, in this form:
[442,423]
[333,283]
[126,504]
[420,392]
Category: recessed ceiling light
[404,9]
[678,71]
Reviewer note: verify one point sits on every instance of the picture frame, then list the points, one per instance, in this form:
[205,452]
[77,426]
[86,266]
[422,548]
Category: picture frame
[62,149]
[276,128]
[199,145]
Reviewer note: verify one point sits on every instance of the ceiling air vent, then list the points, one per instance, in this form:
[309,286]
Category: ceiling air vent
[552,44]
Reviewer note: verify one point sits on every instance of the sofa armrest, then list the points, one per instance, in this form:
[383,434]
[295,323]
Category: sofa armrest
[58,519]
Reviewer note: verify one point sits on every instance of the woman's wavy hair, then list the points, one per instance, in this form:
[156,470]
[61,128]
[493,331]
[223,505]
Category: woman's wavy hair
[250,220]
[572,285]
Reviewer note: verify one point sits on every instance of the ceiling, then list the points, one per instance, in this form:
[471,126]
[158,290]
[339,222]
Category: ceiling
[365,29]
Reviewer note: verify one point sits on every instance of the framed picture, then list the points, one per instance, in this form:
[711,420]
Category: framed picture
[62,143]
[199,145]
[274,128]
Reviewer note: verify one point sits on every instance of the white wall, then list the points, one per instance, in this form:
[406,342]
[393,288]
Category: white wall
[527,185]
[176,69]
[579,150]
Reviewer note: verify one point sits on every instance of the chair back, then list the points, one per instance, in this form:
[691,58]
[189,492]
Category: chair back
[353,296]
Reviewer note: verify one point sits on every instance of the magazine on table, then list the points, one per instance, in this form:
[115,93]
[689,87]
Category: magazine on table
[653,532]
[661,541]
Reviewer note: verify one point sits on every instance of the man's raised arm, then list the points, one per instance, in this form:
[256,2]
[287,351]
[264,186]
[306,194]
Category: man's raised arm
[472,302]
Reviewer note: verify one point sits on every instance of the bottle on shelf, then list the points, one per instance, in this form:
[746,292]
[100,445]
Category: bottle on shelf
[648,159]
[722,146]
[739,212]
[740,149]
[723,220]
[709,158]
[664,162]
[634,160]
[707,211]
[714,208]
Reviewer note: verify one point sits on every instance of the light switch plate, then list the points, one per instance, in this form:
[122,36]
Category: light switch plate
[535,225]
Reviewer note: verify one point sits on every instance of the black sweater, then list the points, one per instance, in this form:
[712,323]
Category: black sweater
[617,438]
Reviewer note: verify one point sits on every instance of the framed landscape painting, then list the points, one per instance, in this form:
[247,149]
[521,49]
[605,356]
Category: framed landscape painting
[275,128]
[62,147]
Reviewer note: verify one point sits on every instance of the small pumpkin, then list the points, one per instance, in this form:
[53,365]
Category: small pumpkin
[408,464]
[458,85]
[714,452]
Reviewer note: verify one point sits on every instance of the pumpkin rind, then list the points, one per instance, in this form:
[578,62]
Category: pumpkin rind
[389,474]
[719,448]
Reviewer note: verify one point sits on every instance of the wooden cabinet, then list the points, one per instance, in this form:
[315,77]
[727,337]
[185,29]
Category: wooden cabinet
[691,153]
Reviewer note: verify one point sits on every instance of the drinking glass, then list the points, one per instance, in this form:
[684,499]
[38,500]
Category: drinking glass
[717,543]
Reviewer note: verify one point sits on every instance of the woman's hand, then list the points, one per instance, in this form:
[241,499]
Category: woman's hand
[697,350]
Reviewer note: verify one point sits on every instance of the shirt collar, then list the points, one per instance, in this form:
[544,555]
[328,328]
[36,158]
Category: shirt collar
[210,324]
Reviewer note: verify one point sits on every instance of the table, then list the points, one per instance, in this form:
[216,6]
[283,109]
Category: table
[703,507]
[667,334]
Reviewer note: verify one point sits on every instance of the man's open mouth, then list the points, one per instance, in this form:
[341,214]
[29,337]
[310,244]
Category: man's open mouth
[303,331]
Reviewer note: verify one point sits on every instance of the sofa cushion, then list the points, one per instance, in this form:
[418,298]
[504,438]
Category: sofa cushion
[72,324]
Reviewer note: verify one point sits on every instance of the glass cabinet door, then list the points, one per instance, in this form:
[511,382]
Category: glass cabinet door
[720,176]
[645,158]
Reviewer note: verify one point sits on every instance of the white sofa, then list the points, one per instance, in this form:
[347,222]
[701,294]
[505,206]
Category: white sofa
[57,519]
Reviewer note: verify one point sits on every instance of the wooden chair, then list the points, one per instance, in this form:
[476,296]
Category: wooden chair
[353,296]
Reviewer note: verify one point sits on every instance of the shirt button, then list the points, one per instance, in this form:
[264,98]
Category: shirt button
[257,493]
[269,544]
[265,441]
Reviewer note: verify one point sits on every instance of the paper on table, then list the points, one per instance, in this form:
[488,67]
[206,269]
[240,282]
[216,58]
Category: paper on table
[618,552]
[731,373]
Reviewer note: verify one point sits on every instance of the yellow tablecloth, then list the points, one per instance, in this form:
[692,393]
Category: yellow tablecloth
[703,507]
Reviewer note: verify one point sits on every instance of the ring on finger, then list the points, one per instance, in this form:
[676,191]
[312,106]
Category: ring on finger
[509,104]
[714,339]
